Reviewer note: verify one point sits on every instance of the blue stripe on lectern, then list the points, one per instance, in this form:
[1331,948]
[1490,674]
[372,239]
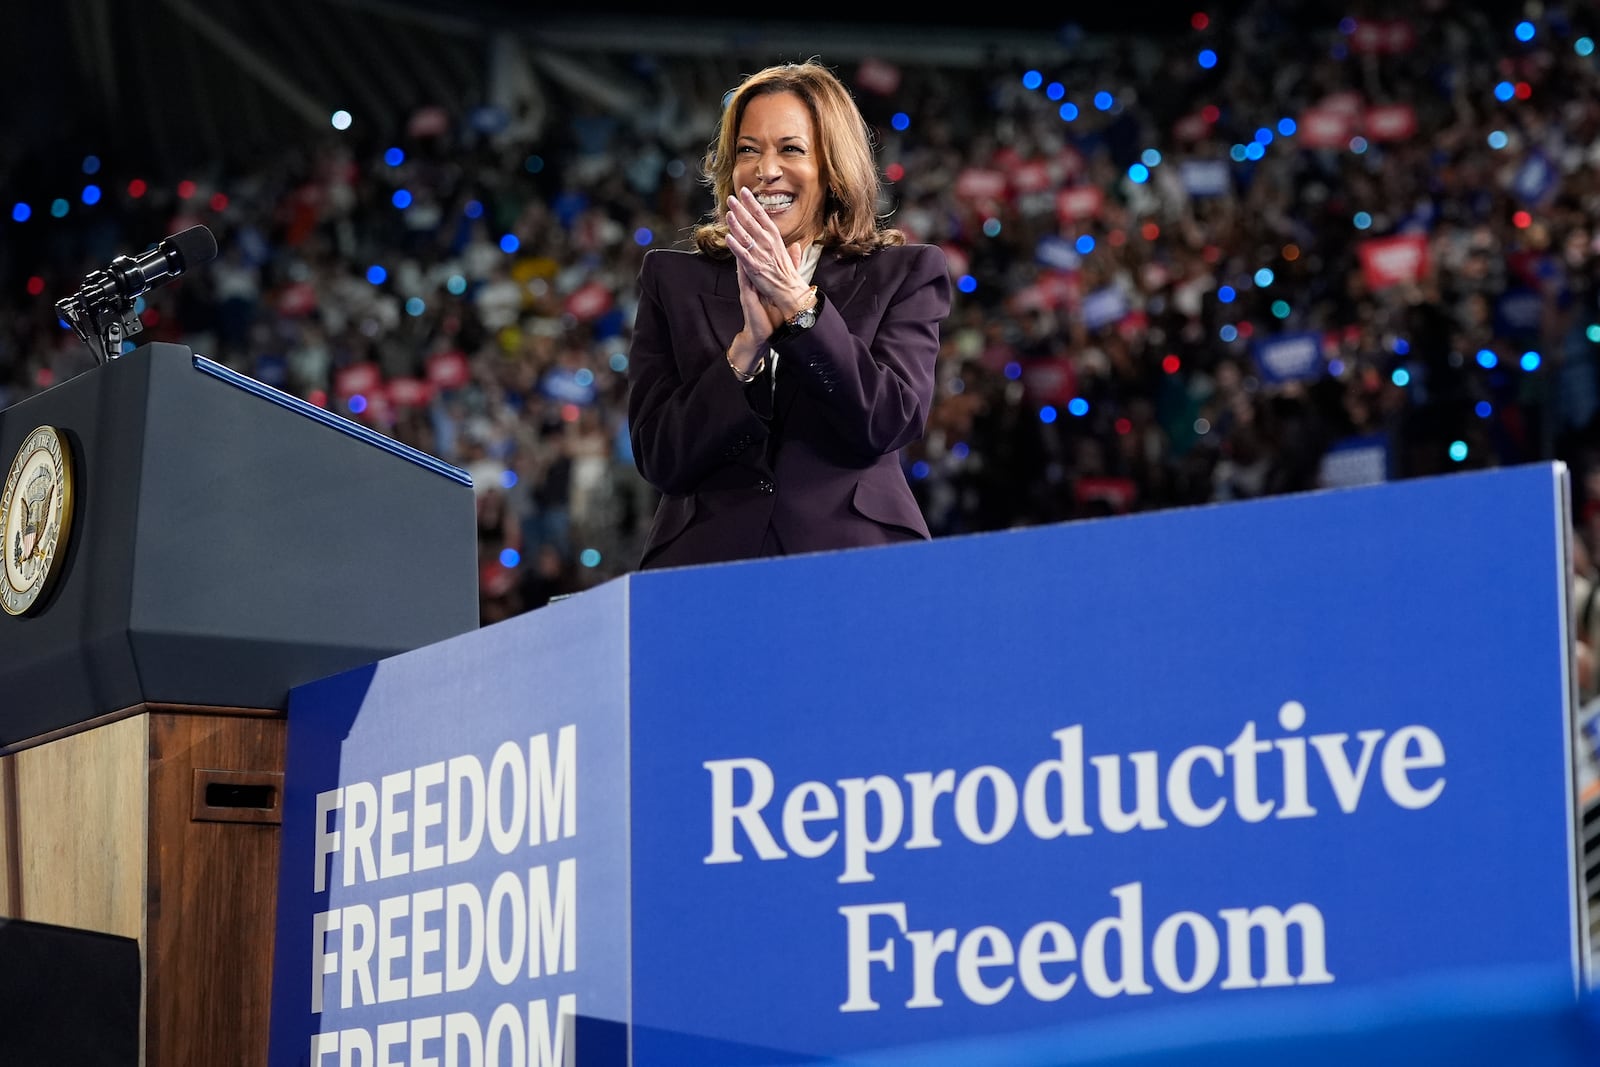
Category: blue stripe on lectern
[328,418]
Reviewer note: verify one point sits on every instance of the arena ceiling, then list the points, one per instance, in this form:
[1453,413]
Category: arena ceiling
[175,84]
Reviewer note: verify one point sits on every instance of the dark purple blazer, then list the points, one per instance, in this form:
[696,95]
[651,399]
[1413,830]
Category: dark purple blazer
[808,461]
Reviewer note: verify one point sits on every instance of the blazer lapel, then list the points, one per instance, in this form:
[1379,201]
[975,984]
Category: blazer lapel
[840,279]
[722,308]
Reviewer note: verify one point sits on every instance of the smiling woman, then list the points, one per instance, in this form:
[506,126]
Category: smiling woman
[794,268]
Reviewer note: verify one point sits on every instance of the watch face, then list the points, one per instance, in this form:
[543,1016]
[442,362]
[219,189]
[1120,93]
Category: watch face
[806,319]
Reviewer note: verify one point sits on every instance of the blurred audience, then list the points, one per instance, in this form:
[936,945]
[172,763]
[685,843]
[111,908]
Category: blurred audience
[1357,246]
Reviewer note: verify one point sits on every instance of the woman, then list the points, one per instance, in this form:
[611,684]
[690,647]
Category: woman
[776,371]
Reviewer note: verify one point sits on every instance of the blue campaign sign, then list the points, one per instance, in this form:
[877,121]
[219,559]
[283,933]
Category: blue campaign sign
[434,858]
[1255,757]
[1290,357]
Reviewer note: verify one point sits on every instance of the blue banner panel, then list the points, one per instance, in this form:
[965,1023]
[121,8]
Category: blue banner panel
[453,883]
[1248,756]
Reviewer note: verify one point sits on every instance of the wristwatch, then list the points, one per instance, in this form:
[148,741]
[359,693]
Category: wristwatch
[806,317]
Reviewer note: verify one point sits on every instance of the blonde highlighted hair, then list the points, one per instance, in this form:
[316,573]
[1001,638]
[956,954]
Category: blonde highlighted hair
[845,164]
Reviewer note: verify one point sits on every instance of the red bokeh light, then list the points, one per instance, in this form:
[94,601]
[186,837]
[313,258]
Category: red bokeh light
[1124,426]
[1171,363]
[894,172]
[219,202]
[1150,231]
[35,285]
[137,188]
[186,189]
[1211,113]
[319,397]
[1522,220]
[1199,20]
[1524,90]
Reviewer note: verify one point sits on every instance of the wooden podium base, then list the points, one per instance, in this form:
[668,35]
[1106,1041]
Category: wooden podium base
[159,823]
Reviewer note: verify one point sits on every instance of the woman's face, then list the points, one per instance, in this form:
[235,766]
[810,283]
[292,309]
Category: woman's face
[775,157]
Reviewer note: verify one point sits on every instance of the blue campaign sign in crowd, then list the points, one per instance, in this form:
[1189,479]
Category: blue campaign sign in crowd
[1193,265]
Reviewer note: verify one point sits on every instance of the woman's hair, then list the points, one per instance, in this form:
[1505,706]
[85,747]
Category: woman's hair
[845,165]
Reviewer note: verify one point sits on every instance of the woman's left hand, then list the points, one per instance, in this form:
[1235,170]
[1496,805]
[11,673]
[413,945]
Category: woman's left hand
[771,266]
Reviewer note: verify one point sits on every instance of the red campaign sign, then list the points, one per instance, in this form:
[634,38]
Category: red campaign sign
[878,75]
[1133,325]
[361,378]
[410,392]
[448,370]
[1118,494]
[1030,298]
[976,183]
[589,301]
[1050,381]
[1032,177]
[1391,122]
[1387,261]
[1079,202]
[297,299]
[1383,37]
[1060,287]
[1322,127]
[378,412]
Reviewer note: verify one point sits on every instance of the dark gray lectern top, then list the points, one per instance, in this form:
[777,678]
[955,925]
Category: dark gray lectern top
[228,542]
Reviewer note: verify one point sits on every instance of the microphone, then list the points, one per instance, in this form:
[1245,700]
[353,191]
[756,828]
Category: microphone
[105,302]
[127,279]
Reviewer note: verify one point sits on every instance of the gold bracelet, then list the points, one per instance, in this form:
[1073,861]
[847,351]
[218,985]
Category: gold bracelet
[748,376]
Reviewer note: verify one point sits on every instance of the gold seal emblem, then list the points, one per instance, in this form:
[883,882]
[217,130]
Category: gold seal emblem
[35,518]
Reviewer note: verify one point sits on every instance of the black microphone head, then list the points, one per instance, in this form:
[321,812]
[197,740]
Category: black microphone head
[193,246]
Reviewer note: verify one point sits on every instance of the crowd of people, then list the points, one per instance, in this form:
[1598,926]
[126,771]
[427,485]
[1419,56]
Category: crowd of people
[1291,249]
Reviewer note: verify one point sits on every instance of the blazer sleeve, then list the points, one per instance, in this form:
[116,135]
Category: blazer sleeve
[683,429]
[878,391]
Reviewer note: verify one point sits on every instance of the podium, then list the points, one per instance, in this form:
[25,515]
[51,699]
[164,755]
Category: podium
[222,542]
[1164,784]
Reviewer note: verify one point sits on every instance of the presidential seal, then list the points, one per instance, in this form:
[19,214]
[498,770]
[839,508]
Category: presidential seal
[35,518]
